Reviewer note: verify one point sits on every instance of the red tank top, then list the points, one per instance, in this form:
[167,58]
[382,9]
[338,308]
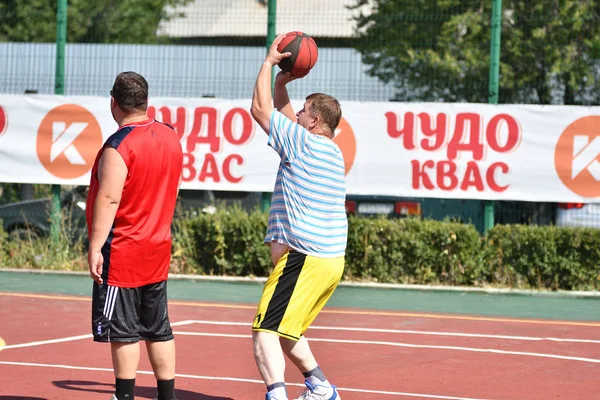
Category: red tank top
[138,249]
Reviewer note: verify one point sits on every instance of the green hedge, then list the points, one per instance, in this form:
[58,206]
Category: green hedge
[3,244]
[230,242]
[544,257]
[412,251]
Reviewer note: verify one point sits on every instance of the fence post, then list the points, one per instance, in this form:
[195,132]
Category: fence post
[488,216]
[59,88]
[265,197]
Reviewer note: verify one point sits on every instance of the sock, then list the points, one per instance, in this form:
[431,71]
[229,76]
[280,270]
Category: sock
[316,377]
[125,389]
[277,391]
[166,389]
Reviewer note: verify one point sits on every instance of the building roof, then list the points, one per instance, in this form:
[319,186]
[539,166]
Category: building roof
[248,18]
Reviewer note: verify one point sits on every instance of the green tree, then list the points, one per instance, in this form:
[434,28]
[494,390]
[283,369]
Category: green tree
[439,50]
[98,21]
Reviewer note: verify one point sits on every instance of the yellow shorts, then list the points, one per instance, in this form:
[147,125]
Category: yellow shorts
[296,292]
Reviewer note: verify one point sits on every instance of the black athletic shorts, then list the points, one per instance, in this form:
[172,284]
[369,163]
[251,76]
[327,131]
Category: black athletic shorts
[127,315]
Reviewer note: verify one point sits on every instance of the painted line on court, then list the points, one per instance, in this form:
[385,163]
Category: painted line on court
[467,318]
[231,379]
[46,296]
[338,311]
[52,341]
[416,346]
[412,332]
[73,338]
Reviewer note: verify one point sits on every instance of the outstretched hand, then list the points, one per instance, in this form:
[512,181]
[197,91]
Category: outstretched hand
[274,57]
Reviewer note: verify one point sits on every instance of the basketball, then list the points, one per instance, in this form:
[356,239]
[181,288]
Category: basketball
[304,53]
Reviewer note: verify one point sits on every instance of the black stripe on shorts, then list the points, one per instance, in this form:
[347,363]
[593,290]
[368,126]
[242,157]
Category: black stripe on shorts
[283,291]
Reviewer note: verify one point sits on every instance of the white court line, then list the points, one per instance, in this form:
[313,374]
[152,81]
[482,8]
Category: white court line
[221,378]
[418,346]
[32,344]
[455,334]
[72,338]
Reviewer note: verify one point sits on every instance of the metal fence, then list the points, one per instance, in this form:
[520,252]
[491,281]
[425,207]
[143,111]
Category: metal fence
[370,50]
[408,50]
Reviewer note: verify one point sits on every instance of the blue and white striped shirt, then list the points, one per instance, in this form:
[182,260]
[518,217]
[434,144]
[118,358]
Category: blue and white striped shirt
[308,210]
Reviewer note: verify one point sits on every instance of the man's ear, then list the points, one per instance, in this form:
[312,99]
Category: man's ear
[316,122]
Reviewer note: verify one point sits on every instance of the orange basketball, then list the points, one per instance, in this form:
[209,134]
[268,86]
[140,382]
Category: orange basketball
[304,53]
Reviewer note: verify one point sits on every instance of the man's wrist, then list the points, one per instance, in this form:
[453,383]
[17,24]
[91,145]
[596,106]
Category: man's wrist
[94,249]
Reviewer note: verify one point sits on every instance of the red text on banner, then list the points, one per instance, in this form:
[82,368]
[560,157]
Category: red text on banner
[445,175]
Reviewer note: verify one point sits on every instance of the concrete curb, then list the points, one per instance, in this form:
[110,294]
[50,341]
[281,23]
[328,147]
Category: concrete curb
[370,285]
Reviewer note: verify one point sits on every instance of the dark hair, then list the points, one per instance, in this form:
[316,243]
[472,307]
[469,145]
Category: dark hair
[130,92]
[326,107]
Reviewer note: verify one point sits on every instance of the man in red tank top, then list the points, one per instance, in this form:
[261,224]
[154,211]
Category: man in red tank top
[130,205]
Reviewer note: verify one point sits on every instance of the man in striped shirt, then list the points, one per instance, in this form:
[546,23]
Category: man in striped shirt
[307,229]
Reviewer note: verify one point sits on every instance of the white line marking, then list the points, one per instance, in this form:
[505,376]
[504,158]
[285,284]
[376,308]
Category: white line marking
[182,323]
[418,346]
[230,379]
[411,332]
[231,335]
[32,344]
[73,338]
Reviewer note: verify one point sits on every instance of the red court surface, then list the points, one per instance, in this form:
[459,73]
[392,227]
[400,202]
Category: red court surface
[367,354]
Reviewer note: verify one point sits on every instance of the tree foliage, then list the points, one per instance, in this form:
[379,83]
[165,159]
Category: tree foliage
[98,21]
[439,50]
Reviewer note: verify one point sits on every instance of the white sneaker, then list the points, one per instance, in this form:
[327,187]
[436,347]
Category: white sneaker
[114,397]
[319,392]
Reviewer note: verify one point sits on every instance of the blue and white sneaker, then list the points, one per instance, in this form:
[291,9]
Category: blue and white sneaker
[269,397]
[319,392]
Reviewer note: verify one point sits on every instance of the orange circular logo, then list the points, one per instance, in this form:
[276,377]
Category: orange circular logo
[68,140]
[3,121]
[577,156]
[344,138]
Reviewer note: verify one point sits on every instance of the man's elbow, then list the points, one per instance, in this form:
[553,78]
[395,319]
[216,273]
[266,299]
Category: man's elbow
[261,117]
[111,199]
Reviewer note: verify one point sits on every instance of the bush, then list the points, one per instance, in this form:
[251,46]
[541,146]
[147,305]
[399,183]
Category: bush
[3,244]
[229,242]
[544,257]
[184,249]
[412,251]
[30,250]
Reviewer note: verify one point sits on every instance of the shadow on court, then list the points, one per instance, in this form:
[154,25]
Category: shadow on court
[140,391]
[21,398]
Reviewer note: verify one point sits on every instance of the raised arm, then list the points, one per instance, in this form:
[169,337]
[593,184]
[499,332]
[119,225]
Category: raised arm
[262,101]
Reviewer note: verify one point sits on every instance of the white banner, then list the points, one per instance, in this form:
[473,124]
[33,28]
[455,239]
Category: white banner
[475,151]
